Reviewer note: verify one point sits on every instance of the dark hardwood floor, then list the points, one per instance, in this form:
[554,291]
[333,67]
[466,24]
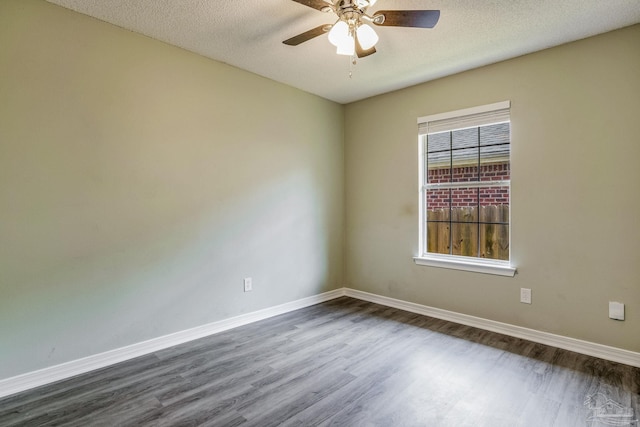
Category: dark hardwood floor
[344,363]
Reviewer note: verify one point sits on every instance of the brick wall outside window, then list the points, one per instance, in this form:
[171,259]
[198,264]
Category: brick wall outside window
[464,197]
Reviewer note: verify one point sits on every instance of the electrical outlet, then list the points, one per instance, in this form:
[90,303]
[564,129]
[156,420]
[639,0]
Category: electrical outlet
[248,284]
[525,295]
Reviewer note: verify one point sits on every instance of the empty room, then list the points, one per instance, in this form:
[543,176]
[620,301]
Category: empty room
[317,212]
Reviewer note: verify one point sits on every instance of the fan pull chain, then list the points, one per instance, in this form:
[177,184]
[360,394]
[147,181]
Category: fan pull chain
[352,63]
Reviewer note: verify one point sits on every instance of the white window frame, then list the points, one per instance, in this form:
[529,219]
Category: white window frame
[457,262]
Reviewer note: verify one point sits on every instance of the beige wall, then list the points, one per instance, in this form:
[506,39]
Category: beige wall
[140,183]
[575,185]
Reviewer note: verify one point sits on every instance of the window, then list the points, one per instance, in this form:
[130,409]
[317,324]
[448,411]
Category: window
[465,189]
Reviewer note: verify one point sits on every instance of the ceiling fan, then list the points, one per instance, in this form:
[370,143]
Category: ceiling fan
[351,33]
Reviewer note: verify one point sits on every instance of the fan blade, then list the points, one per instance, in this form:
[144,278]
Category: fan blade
[409,18]
[362,52]
[315,4]
[307,35]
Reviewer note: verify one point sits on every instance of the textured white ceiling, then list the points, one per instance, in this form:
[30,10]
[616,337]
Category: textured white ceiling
[249,33]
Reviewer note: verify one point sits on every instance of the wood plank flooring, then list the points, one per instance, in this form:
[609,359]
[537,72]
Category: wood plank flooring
[343,363]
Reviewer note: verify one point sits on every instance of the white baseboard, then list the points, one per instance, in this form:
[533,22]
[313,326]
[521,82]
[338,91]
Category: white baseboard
[585,347]
[63,371]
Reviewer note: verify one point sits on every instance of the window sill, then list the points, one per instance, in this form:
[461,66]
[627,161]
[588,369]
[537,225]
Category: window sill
[467,264]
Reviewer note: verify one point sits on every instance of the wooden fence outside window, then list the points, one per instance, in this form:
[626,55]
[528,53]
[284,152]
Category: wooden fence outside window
[468,234]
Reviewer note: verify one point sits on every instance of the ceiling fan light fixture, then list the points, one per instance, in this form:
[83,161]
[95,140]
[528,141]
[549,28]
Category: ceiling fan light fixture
[347,46]
[367,37]
[339,33]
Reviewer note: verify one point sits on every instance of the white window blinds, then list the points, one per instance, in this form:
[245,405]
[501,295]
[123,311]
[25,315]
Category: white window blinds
[463,119]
